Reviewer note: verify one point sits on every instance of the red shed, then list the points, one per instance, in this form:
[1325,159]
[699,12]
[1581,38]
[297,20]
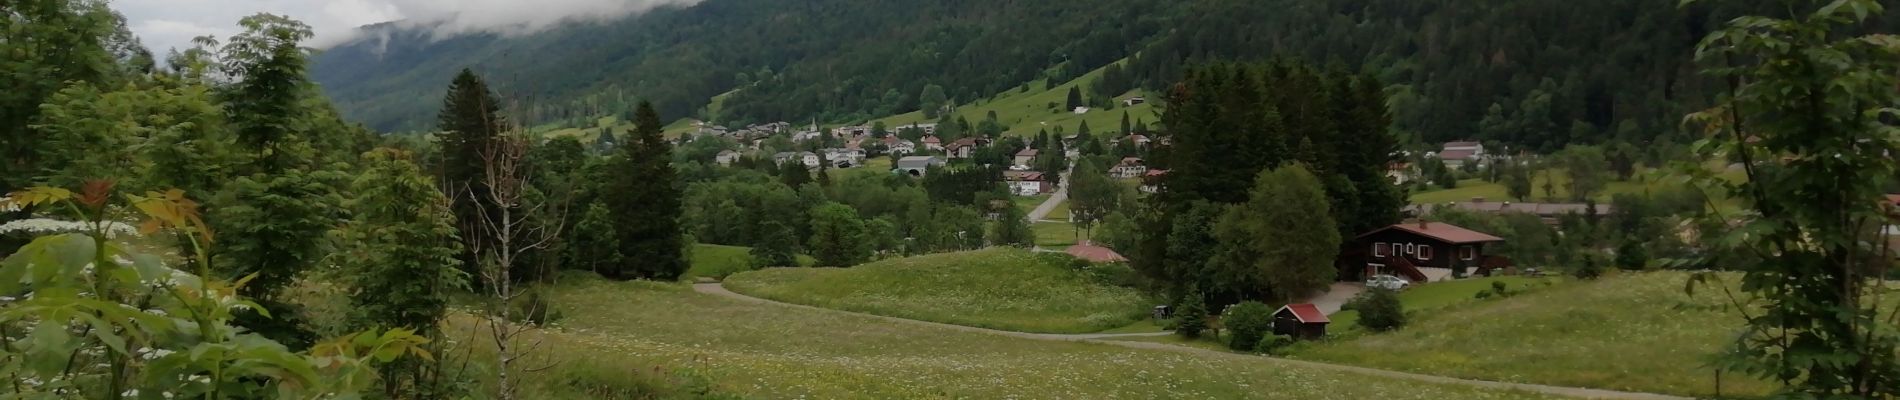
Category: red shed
[1300,321]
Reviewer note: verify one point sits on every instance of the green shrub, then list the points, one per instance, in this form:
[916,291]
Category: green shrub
[1482,294]
[1192,317]
[1382,311]
[1246,323]
[1273,344]
[534,309]
[1589,269]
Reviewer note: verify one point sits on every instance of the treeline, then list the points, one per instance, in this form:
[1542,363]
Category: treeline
[1271,168]
[836,60]
[1539,74]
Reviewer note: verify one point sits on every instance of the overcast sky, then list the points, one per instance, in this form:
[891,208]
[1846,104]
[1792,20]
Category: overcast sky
[166,24]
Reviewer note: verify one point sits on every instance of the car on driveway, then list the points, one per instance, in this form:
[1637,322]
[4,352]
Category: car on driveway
[1387,282]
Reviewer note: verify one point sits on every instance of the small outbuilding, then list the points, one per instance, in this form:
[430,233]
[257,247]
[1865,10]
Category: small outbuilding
[1300,321]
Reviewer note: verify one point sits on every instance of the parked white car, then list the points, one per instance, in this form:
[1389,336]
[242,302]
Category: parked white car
[1387,282]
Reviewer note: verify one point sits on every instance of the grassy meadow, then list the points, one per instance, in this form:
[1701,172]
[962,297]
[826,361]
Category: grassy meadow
[717,261]
[1421,300]
[1055,235]
[1629,331]
[1026,112]
[1467,189]
[639,340]
[998,288]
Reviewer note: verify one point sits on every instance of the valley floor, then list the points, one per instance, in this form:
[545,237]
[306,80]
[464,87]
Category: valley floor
[718,344]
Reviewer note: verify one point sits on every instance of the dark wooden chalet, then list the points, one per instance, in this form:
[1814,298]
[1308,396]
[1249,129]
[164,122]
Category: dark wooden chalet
[1300,321]
[1402,249]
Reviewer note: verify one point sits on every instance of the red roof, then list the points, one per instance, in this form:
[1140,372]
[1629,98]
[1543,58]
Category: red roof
[1157,172]
[1307,313]
[932,139]
[1131,161]
[1444,232]
[1095,253]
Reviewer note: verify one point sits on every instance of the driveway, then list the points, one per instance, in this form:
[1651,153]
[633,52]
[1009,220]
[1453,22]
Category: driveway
[1337,296]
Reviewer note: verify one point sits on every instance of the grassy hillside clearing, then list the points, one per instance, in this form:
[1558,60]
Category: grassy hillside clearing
[1633,331]
[1055,234]
[1026,112]
[1006,289]
[650,340]
[1471,188]
[1422,300]
[717,261]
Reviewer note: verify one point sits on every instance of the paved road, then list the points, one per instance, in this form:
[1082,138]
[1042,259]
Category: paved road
[1047,206]
[717,290]
[1333,299]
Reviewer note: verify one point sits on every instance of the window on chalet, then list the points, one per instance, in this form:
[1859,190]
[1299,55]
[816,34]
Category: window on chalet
[1411,249]
[1467,253]
[1380,249]
[1424,252]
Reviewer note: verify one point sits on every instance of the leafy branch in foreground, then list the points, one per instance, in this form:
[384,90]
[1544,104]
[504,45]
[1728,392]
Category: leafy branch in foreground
[83,316]
[1810,117]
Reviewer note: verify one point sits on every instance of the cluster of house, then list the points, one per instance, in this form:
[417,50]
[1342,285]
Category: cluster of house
[1455,155]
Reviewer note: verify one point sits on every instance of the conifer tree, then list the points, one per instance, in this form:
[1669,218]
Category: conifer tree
[1074,99]
[644,200]
[837,238]
[468,123]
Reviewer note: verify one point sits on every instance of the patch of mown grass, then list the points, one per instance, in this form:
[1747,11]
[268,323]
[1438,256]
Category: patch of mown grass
[1026,112]
[718,261]
[1633,331]
[998,288]
[627,337]
[1056,235]
[1422,299]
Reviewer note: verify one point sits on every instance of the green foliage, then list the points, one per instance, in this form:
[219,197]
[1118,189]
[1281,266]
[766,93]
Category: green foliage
[1011,229]
[402,246]
[1118,232]
[837,238]
[264,104]
[1268,245]
[593,243]
[1806,116]
[644,201]
[1587,169]
[50,45]
[1229,123]
[1190,315]
[175,134]
[150,328]
[468,122]
[1381,310]
[1273,344]
[1247,324]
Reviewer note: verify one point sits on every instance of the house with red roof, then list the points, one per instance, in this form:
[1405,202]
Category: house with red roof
[1096,254]
[1420,251]
[1300,321]
[932,143]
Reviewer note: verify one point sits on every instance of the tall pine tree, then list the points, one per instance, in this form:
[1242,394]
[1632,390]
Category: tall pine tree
[644,198]
[469,121]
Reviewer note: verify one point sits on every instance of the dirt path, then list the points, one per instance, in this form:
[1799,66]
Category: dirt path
[1056,199]
[717,290]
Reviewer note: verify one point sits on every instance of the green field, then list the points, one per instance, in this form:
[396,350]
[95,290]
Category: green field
[1633,331]
[1424,299]
[716,261]
[1027,112]
[1008,289]
[872,165]
[1054,234]
[1473,188]
[651,340]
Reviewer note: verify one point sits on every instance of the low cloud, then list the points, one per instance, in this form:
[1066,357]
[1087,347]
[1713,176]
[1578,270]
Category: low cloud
[167,24]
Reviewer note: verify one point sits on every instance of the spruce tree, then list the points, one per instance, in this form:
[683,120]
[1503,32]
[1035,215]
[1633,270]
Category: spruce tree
[644,199]
[1074,99]
[468,122]
[837,238]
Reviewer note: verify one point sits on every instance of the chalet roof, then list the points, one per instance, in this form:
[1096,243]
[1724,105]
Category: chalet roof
[1026,153]
[1306,313]
[1153,173]
[1450,145]
[1032,176]
[932,139]
[1093,253]
[1444,232]
[1138,138]
[918,162]
[1456,154]
[1131,161]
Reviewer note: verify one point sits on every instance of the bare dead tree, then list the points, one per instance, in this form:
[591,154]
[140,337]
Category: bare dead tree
[507,231]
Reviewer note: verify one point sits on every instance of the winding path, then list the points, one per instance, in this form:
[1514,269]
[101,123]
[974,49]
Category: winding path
[718,290]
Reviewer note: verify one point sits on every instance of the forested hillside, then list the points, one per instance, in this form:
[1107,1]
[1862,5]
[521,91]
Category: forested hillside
[1540,73]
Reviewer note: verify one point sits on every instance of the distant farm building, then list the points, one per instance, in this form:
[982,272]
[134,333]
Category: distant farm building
[1300,321]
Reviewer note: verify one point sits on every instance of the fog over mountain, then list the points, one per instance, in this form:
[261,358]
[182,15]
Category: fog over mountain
[166,24]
